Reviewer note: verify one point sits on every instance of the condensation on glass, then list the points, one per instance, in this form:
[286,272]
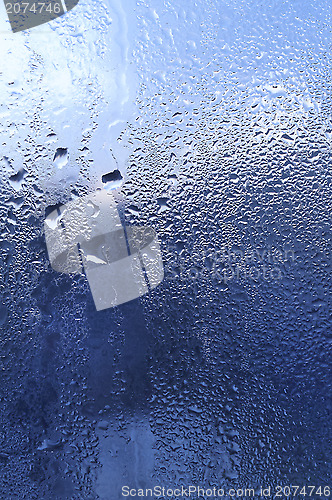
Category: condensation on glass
[216,116]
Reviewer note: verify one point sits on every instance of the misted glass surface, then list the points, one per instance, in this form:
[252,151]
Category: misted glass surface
[210,122]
